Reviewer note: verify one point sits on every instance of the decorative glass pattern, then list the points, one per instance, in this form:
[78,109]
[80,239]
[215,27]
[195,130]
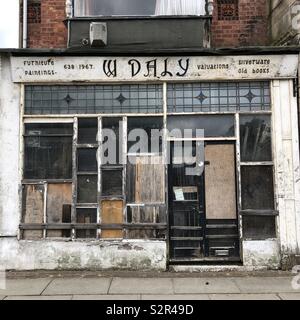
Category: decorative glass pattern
[228,9]
[95,99]
[219,97]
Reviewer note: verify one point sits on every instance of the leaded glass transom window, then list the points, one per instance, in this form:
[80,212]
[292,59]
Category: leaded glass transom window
[106,99]
[219,97]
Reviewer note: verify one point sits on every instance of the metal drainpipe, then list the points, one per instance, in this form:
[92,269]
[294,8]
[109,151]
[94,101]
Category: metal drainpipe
[298,96]
[24,23]
[209,7]
[297,257]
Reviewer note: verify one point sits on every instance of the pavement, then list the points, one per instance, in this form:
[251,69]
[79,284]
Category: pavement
[148,286]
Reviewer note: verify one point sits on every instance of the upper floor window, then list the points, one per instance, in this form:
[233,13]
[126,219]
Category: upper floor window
[85,8]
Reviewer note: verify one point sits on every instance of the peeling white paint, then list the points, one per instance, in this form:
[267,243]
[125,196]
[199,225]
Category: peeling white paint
[96,255]
[261,253]
[9,152]
[286,160]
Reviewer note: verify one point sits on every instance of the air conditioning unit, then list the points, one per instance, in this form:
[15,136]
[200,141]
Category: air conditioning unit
[98,34]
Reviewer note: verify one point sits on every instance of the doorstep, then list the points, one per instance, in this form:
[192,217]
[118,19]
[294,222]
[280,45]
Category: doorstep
[214,268]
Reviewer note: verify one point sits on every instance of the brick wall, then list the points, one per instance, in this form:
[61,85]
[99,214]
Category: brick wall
[246,26]
[235,23]
[46,28]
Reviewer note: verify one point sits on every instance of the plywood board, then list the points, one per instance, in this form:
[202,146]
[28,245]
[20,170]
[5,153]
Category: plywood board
[58,196]
[220,185]
[112,213]
[149,180]
[33,209]
[144,214]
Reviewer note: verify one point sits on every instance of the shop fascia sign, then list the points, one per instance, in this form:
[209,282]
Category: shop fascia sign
[115,69]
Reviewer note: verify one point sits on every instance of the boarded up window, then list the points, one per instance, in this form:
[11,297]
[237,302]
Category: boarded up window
[255,132]
[146,180]
[112,183]
[48,151]
[220,185]
[33,210]
[257,187]
[112,213]
[146,214]
[59,199]
[87,189]
[87,131]
[259,227]
[86,216]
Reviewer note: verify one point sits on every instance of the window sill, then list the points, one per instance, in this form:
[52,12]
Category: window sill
[254,212]
[94,240]
[259,239]
[138,17]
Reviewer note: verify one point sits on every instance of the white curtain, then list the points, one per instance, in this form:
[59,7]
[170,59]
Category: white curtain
[84,8]
[180,7]
[163,7]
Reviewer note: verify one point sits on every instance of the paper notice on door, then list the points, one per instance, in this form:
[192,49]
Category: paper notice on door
[179,195]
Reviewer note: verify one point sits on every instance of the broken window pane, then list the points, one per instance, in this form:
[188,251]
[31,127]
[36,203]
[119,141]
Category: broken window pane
[213,125]
[59,200]
[87,189]
[259,227]
[255,133]
[257,187]
[112,183]
[87,131]
[87,160]
[150,138]
[86,216]
[48,151]
[33,210]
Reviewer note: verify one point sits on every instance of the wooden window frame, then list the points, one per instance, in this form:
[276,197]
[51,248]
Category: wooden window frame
[73,226]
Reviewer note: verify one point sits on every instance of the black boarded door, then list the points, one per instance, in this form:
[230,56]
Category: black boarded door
[186,207]
[203,214]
